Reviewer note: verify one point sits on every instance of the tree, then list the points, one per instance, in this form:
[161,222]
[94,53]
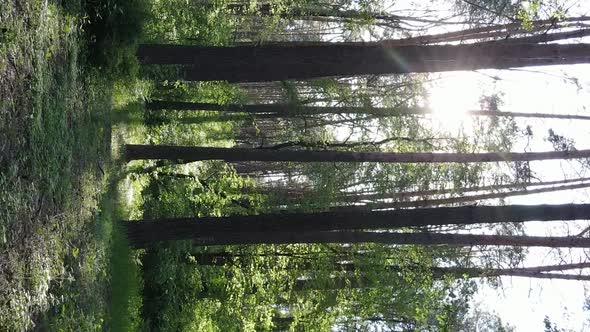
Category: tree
[290,110]
[539,272]
[138,152]
[359,197]
[483,321]
[293,225]
[359,280]
[315,12]
[508,31]
[460,199]
[550,326]
[385,238]
[272,63]
[486,10]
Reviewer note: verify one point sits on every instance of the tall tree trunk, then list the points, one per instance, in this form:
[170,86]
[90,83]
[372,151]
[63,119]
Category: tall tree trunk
[393,20]
[354,197]
[512,32]
[493,31]
[352,145]
[350,237]
[315,12]
[462,199]
[289,110]
[487,273]
[194,153]
[274,63]
[203,119]
[226,257]
[546,38]
[437,273]
[208,229]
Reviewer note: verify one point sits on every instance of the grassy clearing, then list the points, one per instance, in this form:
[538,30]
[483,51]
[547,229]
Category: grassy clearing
[56,215]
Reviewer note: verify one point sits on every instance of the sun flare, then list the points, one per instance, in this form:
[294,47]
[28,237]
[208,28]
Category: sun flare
[451,98]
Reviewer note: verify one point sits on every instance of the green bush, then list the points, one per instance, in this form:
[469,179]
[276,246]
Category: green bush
[114,30]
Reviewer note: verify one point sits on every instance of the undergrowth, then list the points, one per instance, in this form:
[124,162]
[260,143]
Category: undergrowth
[55,163]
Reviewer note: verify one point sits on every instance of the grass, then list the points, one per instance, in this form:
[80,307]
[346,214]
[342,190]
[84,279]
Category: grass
[61,259]
[125,281]
[125,286]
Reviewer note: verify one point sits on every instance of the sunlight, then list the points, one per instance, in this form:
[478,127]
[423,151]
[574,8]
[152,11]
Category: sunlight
[450,98]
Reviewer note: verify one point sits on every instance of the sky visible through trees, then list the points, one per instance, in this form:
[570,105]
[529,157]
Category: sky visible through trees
[521,91]
[563,88]
[538,298]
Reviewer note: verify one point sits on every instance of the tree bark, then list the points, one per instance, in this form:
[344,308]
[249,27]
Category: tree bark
[354,197]
[546,38]
[314,12]
[289,110]
[351,237]
[194,153]
[291,194]
[292,226]
[504,30]
[226,257]
[507,32]
[275,63]
[437,273]
[487,273]
[462,199]
[395,20]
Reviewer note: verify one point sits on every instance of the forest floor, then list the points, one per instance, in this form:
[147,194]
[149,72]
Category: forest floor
[56,209]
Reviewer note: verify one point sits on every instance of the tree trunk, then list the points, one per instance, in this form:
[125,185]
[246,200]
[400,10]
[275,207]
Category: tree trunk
[516,272]
[505,30]
[275,63]
[292,225]
[462,199]
[546,38]
[512,32]
[311,12]
[353,197]
[289,110]
[437,273]
[315,12]
[194,153]
[226,257]
[350,237]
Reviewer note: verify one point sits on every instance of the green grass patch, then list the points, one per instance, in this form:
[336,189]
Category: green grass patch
[125,286]
[125,301]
